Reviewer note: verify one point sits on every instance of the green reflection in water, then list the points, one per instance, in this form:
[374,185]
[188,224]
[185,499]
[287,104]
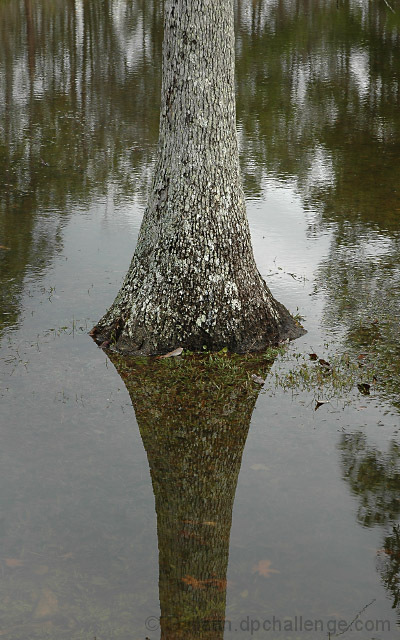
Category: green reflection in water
[75,117]
[193,415]
[317,96]
[374,477]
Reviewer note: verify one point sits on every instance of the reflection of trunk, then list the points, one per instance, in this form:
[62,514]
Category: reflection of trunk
[193,419]
[30,31]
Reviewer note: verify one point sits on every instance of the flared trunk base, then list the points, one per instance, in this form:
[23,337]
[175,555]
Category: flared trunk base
[251,331]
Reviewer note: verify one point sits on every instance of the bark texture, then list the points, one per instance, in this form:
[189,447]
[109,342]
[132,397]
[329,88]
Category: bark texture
[194,416]
[193,280]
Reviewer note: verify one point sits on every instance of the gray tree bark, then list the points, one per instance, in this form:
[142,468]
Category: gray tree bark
[193,280]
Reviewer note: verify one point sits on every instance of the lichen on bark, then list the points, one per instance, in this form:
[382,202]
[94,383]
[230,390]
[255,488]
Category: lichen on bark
[193,280]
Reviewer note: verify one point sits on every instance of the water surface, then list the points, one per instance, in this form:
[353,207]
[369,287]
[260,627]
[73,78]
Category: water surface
[290,513]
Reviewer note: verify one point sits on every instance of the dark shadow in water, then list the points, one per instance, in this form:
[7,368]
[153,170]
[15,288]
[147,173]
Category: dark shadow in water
[194,415]
[374,477]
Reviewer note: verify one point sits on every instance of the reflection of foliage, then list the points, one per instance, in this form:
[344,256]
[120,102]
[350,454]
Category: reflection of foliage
[373,477]
[79,89]
[193,414]
[317,102]
[389,564]
[75,116]
[75,113]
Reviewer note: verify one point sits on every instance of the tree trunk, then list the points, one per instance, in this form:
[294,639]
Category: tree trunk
[193,280]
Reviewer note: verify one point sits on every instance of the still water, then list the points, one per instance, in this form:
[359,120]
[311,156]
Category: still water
[130,495]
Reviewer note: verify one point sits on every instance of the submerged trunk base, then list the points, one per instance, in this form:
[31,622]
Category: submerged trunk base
[254,330]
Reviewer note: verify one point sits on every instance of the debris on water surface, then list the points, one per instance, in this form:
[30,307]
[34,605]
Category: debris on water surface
[173,354]
[257,379]
[364,388]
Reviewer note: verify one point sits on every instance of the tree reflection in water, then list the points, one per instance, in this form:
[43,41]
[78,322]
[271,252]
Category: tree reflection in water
[194,415]
[374,477]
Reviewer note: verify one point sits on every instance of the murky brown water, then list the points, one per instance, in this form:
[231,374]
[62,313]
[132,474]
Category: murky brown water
[268,513]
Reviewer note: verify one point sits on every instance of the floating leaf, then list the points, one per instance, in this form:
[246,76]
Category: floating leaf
[257,379]
[47,605]
[324,363]
[313,356]
[216,582]
[193,582]
[173,354]
[203,584]
[263,568]
[13,562]
[319,404]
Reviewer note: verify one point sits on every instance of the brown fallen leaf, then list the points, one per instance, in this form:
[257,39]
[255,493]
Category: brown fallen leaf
[47,605]
[391,552]
[93,331]
[324,363]
[263,568]
[313,356]
[173,354]
[216,582]
[193,582]
[13,562]
[319,404]
[203,584]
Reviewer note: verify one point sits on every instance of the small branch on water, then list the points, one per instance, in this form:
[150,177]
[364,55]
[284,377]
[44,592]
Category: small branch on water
[352,622]
[389,7]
